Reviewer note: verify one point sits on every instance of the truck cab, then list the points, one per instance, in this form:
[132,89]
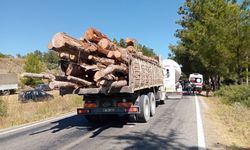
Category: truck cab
[171,75]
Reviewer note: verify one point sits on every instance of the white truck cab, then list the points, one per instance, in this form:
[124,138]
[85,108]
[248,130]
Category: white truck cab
[171,75]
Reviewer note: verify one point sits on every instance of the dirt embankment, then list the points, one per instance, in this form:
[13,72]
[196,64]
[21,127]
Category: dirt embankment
[11,65]
[226,127]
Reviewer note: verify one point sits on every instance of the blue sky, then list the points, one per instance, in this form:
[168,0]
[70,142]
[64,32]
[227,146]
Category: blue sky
[28,25]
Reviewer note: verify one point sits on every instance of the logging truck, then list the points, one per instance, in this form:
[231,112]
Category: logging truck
[112,79]
[137,99]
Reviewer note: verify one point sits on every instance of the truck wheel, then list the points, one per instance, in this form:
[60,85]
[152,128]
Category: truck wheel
[152,103]
[6,92]
[144,114]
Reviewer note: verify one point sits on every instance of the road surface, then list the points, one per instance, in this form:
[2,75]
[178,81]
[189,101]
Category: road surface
[174,126]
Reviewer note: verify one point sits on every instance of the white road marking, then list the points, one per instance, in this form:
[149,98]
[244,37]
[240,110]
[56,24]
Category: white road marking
[10,130]
[201,138]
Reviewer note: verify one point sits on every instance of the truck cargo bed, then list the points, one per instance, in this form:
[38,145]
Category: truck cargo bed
[143,74]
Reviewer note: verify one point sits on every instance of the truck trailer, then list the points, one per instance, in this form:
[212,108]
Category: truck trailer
[8,83]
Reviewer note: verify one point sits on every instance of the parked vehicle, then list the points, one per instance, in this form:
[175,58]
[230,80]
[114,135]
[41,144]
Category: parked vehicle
[8,83]
[34,95]
[43,87]
[196,80]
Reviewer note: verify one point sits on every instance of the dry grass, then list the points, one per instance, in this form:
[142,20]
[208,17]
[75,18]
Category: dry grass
[20,113]
[232,123]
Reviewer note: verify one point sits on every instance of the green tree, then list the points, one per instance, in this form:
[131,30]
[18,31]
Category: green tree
[2,55]
[115,41]
[142,48]
[122,43]
[51,59]
[145,50]
[210,39]
[33,64]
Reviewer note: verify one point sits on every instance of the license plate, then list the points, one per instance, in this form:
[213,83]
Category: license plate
[108,110]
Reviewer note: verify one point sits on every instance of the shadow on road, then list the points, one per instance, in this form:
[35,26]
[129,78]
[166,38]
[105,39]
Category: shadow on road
[79,122]
[151,141]
[75,121]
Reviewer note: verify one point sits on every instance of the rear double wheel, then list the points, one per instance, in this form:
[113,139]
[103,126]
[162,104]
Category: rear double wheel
[144,105]
[152,102]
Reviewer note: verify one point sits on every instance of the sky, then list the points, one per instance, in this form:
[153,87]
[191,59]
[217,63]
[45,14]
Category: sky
[29,25]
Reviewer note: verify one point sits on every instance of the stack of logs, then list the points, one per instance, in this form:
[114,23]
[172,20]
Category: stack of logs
[93,61]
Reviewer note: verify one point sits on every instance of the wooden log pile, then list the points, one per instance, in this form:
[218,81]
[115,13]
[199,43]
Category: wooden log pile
[94,60]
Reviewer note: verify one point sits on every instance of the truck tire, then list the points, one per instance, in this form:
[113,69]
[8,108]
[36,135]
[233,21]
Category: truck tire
[144,105]
[6,92]
[152,103]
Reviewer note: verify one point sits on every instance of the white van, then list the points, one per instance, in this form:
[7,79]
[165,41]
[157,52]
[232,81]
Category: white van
[196,80]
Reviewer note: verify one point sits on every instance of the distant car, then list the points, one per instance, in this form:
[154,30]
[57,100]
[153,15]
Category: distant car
[35,95]
[43,87]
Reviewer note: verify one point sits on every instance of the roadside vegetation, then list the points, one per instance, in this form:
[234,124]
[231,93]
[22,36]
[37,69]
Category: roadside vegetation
[3,108]
[231,124]
[235,94]
[13,112]
[214,40]
[38,62]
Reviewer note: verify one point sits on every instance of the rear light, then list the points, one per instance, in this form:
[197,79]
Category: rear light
[124,104]
[89,105]
[82,111]
[133,109]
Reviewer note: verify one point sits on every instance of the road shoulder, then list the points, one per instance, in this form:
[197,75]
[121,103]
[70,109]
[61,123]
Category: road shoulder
[222,131]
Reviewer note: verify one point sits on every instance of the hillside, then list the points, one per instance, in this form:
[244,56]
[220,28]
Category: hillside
[11,65]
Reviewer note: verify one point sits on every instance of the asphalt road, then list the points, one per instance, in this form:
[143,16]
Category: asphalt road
[173,127]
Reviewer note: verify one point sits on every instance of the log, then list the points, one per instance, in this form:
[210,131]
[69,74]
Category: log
[105,43]
[101,60]
[113,84]
[130,42]
[63,42]
[118,84]
[93,35]
[131,49]
[109,70]
[96,67]
[75,70]
[40,76]
[79,81]
[59,84]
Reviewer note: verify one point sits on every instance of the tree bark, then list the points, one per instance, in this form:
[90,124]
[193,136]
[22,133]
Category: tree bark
[63,42]
[102,60]
[130,42]
[40,76]
[75,70]
[93,35]
[59,84]
[79,81]
[113,84]
[105,43]
[110,69]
